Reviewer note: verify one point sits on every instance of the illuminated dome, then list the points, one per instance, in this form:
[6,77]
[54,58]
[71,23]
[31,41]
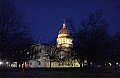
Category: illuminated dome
[64,30]
[64,39]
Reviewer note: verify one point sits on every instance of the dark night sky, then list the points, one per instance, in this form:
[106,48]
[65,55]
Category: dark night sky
[46,16]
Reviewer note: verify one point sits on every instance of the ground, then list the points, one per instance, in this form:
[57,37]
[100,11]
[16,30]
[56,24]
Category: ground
[61,73]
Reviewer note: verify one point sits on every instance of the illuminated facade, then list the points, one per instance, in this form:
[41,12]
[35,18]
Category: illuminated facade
[64,39]
[64,42]
[63,52]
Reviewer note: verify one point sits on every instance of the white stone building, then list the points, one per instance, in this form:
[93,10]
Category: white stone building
[41,58]
[63,52]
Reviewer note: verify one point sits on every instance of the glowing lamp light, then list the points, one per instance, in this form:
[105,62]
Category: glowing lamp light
[7,62]
[1,62]
[15,62]
[117,63]
[85,61]
[110,64]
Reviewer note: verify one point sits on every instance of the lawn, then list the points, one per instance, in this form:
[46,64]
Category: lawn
[61,73]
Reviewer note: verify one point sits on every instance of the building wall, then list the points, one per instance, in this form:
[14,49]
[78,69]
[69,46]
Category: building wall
[64,43]
[44,61]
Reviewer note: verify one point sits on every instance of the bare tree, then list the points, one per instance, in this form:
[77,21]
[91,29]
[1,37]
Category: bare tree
[52,52]
[91,40]
[115,49]
[14,31]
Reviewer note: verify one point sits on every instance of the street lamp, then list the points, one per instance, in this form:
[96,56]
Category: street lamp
[1,63]
[117,63]
[110,64]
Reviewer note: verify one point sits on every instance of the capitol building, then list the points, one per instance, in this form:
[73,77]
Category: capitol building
[54,56]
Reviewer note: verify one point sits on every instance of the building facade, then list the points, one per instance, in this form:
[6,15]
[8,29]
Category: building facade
[55,56]
[64,39]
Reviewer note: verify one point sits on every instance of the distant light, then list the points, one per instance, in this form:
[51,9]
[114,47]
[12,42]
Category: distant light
[27,52]
[1,62]
[7,62]
[117,63]
[85,61]
[110,64]
[98,65]
[16,62]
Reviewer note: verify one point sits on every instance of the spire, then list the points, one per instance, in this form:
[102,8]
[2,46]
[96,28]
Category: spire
[64,25]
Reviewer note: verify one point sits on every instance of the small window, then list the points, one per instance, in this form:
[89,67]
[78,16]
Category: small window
[30,63]
[39,63]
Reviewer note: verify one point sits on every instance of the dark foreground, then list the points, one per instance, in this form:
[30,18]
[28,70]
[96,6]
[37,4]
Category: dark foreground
[61,73]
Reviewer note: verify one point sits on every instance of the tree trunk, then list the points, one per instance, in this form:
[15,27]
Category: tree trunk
[80,64]
[89,65]
[18,62]
[24,65]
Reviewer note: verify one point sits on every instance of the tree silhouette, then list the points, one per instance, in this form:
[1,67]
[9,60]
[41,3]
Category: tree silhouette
[91,40]
[115,49]
[14,32]
[52,52]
